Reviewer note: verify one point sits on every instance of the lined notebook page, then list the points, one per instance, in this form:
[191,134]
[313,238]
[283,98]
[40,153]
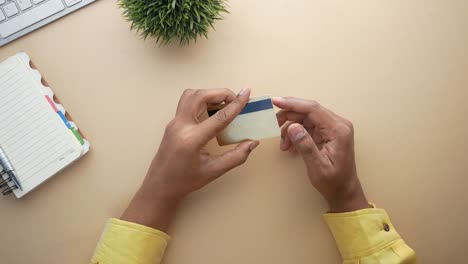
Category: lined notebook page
[34,138]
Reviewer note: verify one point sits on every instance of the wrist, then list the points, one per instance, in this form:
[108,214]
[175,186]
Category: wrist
[350,198]
[150,209]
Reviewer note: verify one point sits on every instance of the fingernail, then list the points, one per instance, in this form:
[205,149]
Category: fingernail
[243,91]
[277,101]
[297,132]
[253,145]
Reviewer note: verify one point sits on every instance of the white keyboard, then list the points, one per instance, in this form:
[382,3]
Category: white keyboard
[19,17]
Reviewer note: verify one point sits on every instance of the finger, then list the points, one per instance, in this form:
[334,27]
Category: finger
[184,100]
[314,111]
[222,163]
[284,115]
[285,143]
[317,136]
[227,99]
[216,96]
[304,144]
[292,150]
[211,99]
[193,101]
[212,126]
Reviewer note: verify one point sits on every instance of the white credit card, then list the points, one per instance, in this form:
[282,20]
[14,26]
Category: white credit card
[256,121]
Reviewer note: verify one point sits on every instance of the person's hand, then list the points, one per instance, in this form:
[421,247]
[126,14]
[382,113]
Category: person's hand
[326,143]
[181,164]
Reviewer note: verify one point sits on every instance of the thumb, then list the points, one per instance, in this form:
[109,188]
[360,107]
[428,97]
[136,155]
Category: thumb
[303,143]
[232,158]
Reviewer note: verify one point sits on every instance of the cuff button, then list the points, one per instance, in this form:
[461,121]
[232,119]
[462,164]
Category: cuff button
[386,227]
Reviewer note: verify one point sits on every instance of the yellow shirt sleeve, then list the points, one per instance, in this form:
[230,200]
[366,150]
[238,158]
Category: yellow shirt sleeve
[363,237]
[124,243]
[368,236]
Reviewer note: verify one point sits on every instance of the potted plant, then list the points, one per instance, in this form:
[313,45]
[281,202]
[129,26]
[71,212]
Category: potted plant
[168,20]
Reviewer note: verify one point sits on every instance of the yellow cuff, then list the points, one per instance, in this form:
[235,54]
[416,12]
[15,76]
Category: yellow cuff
[361,233]
[125,242]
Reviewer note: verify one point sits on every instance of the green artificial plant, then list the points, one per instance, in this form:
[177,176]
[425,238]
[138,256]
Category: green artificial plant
[165,20]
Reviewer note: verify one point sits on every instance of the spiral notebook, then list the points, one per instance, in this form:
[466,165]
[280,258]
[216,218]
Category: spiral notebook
[37,135]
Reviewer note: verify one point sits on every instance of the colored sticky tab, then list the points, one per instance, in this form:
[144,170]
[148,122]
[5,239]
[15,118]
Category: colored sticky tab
[51,103]
[64,119]
[77,135]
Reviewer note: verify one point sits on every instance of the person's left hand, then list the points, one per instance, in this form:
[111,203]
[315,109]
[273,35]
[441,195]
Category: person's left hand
[181,165]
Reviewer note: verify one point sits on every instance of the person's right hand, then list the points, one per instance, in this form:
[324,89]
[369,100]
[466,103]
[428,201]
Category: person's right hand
[326,143]
[182,164]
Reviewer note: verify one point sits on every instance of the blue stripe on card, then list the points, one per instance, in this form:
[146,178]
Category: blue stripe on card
[64,119]
[257,106]
[250,107]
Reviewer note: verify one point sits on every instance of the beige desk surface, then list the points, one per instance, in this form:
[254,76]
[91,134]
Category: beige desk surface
[398,69]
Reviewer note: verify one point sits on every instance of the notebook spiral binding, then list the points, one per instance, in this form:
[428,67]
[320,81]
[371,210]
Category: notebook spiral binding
[4,184]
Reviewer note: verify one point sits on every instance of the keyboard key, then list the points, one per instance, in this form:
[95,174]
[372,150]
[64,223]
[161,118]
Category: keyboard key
[32,16]
[10,9]
[2,16]
[2,2]
[24,4]
[36,1]
[71,2]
